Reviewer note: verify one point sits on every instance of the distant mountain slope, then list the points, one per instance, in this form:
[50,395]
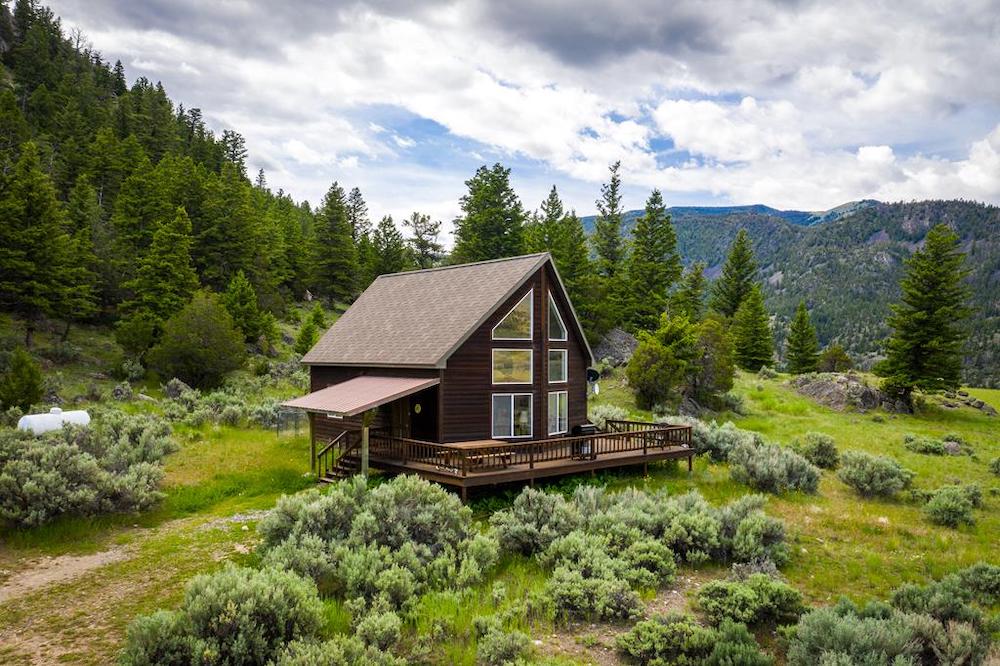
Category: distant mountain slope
[848,267]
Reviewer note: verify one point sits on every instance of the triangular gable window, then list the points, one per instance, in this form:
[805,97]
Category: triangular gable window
[557,330]
[518,322]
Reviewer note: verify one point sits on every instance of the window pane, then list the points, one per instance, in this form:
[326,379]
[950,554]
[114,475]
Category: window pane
[522,416]
[511,366]
[553,413]
[517,324]
[563,411]
[501,415]
[557,331]
[558,412]
[557,365]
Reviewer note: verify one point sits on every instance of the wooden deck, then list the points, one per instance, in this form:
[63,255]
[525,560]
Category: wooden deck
[490,462]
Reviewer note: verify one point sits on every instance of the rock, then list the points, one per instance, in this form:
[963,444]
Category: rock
[122,391]
[616,348]
[174,388]
[949,394]
[964,394]
[953,448]
[988,410]
[842,391]
[978,404]
[287,339]
[147,398]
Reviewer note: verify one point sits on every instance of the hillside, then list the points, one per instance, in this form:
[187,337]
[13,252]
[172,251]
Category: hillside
[848,266]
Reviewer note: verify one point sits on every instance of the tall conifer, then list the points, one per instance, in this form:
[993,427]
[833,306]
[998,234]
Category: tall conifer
[336,254]
[607,239]
[391,253]
[689,297]
[492,224]
[752,339]
[802,354]
[738,276]
[653,265]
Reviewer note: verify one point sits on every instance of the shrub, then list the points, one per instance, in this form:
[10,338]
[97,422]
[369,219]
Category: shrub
[772,468]
[654,372]
[497,648]
[200,345]
[925,445]
[714,439]
[995,466]
[236,615]
[600,415]
[308,336]
[952,506]
[678,639]
[873,476]
[534,521]
[111,466]
[577,594]
[21,383]
[380,630]
[339,651]
[819,449]
[131,370]
[983,582]
[757,600]
[231,415]
[767,372]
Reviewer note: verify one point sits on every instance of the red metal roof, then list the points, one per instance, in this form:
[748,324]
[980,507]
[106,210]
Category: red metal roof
[360,394]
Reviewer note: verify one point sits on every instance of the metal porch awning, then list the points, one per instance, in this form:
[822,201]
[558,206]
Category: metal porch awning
[360,394]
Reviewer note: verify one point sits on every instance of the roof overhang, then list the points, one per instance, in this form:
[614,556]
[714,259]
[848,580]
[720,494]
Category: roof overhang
[360,394]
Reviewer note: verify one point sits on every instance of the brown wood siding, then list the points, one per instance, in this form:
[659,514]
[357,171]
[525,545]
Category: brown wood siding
[467,383]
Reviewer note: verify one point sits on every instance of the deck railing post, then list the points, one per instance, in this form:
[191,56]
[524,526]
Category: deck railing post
[531,455]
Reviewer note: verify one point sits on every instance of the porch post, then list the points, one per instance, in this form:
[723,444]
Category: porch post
[364,451]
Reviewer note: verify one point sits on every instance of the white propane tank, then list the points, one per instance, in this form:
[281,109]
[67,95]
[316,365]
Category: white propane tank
[54,420]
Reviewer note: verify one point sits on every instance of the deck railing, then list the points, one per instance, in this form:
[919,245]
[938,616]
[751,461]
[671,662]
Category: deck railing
[461,460]
[343,444]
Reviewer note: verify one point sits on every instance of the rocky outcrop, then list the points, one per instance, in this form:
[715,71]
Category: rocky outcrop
[616,348]
[845,390]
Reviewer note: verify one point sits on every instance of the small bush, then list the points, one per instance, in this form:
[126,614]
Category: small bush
[757,600]
[600,415]
[678,639]
[995,466]
[498,648]
[767,372]
[534,521]
[819,449]
[952,506]
[239,616]
[925,445]
[380,630]
[873,476]
[231,415]
[772,468]
[21,382]
[339,651]
[714,439]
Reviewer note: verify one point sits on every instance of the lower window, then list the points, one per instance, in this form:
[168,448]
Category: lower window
[558,412]
[512,415]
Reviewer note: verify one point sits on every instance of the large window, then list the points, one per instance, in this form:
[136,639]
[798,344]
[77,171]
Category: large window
[512,415]
[517,324]
[558,412]
[512,366]
[557,329]
[558,360]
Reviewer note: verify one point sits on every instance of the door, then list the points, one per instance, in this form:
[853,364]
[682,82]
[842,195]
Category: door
[423,410]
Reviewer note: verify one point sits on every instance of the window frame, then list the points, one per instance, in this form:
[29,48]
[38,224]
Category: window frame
[531,319]
[531,365]
[565,402]
[564,364]
[553,307]
[511,397]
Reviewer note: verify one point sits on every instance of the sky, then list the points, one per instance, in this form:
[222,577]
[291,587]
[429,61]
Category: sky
[790,103]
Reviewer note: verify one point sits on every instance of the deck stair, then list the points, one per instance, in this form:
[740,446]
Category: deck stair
[340,458]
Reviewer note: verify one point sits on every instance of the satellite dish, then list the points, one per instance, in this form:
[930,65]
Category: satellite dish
[593,375]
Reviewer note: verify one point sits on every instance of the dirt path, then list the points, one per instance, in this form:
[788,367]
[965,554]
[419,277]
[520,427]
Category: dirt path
[46,571]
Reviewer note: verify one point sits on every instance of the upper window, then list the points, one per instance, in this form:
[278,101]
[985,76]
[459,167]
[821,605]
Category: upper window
[518,322]
[557,330]
[512,366]
[557,365]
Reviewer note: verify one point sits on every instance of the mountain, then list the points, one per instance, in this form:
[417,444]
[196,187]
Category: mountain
[847,267]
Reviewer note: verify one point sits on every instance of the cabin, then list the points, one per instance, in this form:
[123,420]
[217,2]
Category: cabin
[468,375]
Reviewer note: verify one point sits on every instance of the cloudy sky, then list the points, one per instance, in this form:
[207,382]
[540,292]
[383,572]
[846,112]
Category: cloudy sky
[791,103]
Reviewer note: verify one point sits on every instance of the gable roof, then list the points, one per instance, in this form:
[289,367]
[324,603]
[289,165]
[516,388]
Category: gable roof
[419,318]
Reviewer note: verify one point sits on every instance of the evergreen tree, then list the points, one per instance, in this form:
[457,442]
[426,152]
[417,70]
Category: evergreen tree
[689,297]
[738,276]
[835,359]
[925,349]
[14,130]
[308,336]
[357,215]
[713,368]
[492,226]
[84,217]
[261,181]
[752,339]
[607,239]
[653,265]
[546,231]
[227,233]
[391,253]
[165,279]
[336,254]
[21,383]
[234,147]
[240,300]
[424,241]
[36,265]
[802,354]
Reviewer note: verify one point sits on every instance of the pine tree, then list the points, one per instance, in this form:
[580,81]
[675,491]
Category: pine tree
[492,226]
[653,265]
[689,297]
[336,255]
[752,339]
[738,276]
[36,266]
[835,359]
[84,218]
[21,384]
[607,239]
[227,233]
[802,352]
[424,241]
[545,232]
[307,337]
[14,130]
[357,215]
[165,279]
[240,300]
[234,148]
[925,349]
[391,253]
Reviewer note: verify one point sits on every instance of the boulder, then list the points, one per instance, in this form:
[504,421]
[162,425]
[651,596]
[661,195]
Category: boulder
[953,448]
[843,391]
[616,348]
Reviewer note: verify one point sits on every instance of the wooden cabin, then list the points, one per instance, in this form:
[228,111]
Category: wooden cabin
[468,375]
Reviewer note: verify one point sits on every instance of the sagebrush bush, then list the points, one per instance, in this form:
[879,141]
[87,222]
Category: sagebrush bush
[819,449]
[678,639]
[235,616]
[496,647]
[599,415]
[534,521]
[112,465]
[995,465]
[382,546]
[953,505]
[338,651]
[925,445]
[756,600]
[379,630]
[772,468]
[873,476]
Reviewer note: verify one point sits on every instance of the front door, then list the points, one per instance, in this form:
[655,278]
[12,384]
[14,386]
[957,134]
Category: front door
[423,409]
